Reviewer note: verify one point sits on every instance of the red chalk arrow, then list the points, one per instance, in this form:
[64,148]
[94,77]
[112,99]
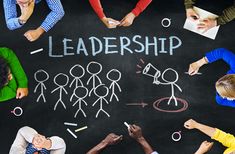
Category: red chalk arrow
[137,104]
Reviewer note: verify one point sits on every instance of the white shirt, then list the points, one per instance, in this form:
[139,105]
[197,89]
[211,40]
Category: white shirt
[25,135]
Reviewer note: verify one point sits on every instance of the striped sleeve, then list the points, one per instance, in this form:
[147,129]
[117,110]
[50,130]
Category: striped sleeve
[10,11]
[57,12]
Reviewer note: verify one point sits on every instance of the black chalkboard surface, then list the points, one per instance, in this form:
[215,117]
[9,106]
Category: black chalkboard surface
[81,40]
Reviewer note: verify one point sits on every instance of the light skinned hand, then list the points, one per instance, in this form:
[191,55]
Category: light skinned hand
[205,147]
[194,68]
[26,10]
[190,124]
[135,132]
[112,139]
[206,24]
[127,20]
[110,23]
[21,92]
[33,35]
[191,14]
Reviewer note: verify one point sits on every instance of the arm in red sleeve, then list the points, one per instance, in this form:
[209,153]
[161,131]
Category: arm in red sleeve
[97,7]
[141,6]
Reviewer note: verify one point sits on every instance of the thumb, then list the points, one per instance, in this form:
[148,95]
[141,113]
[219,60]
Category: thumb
[18,94]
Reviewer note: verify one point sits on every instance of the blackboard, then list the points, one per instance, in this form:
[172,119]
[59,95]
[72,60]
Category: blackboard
[80,22]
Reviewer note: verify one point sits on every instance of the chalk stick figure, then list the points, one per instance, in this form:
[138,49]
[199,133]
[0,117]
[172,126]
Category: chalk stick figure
[64,79]
[101,94]
[172,83]
[80,93]
[94,68]
[111,76]
[44,76]
[150,70]
[77,72]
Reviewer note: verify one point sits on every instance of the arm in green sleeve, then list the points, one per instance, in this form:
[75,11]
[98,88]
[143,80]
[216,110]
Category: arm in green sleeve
[8,91]
[227,15]
[189,3]
[15,67]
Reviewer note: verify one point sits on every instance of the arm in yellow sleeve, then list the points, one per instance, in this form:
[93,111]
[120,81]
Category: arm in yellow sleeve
[226,139]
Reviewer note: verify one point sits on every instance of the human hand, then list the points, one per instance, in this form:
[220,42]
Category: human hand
[26,10]
[195,66]
[135,132]
[112,139]
[33,35]
[204,147]
[21,92]
[110,23]
[127,20]
[206,24]
[190,124]
[191,14]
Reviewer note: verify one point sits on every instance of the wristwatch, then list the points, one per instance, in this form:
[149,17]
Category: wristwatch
[22,22]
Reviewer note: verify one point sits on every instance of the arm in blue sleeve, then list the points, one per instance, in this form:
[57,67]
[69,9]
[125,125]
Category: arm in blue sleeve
[223,54]
[11,14]
[224,102]
[57,12]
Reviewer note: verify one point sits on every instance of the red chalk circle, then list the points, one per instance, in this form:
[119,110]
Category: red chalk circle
[157,103]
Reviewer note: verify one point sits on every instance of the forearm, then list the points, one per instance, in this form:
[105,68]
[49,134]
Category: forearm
[227,15]
[56,14]
[97,7]
[11,18]
[98,148]
[140,7]
[210,131]
[145,145]
[202,61]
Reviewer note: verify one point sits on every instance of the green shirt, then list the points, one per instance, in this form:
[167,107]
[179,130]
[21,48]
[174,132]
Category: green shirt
[19,79]
[227,15]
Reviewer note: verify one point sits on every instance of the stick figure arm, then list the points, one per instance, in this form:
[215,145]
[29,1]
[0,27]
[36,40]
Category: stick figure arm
[88,81]
[44,87]
[110,85]
[95,102]
[72,83]
[178,87]
[35,89]
[98,79]
[85,102]
[106,101]
[65,90]
[55,89]
[119,88]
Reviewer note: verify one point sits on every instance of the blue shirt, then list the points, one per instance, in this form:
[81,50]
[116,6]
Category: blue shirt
[12,21]
[30,150]
[229,58]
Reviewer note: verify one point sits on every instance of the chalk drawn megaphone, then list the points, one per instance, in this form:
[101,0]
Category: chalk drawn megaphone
[152,71]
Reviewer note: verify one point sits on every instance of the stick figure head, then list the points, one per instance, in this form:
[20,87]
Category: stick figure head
[81,92]
[114,75]
[101,91]
[41,76]
[61,79]
[77,71]
[170,76]
[94,68]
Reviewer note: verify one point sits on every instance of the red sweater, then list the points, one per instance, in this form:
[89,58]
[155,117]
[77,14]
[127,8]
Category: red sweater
[140,7]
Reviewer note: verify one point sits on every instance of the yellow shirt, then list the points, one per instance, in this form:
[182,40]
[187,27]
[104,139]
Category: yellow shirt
[226,139]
